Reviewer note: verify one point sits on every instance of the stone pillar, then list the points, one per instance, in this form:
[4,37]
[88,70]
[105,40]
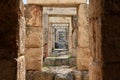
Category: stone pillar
[104,21]
[83,50]
[12,24]
[95,69]
[46,34]
[34,39]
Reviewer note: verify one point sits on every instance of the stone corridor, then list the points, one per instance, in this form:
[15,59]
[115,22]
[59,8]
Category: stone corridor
[60,40]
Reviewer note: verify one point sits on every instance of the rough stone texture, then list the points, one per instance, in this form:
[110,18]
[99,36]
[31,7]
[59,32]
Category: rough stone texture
[60,11]
[33,15]
[57,73]
[33,37]
[83,50]
[106,46]
[64,76]
[33,44]
[33,58]
[11,48]
[72,62]
[56,2]
[22,35]
[83,75]
[59,61]
[21,68]
[37,75]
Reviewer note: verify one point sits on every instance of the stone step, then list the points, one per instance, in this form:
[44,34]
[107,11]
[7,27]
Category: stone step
[59,61]
[57,73]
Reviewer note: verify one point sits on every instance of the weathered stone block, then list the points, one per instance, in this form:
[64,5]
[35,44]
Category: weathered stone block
[33,15]
[49,62]
[33,37]
[22,35]
[83,58]
[83,39]
[38,75]
[77,75]
[29,75]
[21,72]
[95,70]
[60,62]
[43,76]
[64,76]
[33,58]
[72,62]
[56,2]
[81,75]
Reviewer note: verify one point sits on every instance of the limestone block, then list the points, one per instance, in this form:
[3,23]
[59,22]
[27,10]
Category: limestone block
[83,15]
[72,62]
[56,2]
[83,58]
[78,75]
[33,38]
[43,75]
[83,39]
[33,15]
[81,75]
[64,76]
[21,68]
[29,75]
[38,75]
[22,35]
[85,75]
[49,62]
[60,11]
[95,71]
[60,62]
[33,58]
[83,28]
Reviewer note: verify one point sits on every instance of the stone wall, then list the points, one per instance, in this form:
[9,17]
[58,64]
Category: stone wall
[104,21]
[83,50]
[33,44]
[11,42]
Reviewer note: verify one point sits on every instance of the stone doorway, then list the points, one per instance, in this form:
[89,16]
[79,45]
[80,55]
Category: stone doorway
[78,38]
[60,37]
[58,33]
